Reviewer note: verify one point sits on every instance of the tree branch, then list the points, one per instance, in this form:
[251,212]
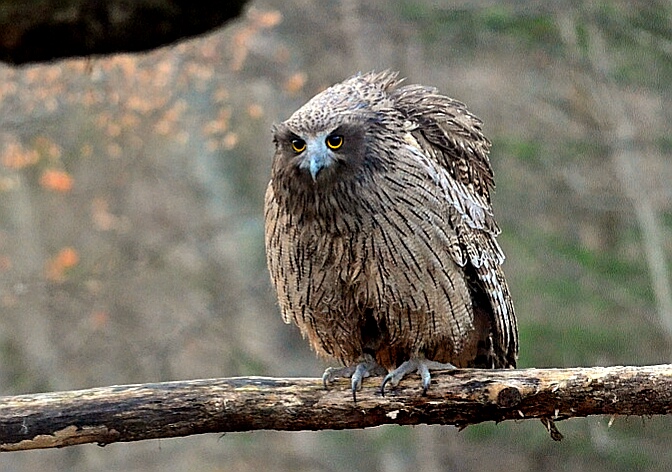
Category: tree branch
[43,30]
[462,397]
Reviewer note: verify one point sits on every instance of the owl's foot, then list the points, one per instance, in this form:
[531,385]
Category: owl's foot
[357,373]
[421,366]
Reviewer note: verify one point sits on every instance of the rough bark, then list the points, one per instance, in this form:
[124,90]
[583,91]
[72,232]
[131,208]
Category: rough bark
[463,397]
[43,30]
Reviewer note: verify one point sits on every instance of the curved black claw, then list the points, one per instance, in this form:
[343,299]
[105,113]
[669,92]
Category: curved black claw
[361,371]
[395,376]
[426,377]
[419,365]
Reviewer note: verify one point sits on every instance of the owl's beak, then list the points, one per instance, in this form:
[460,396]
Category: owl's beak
[315,165]
[315,158]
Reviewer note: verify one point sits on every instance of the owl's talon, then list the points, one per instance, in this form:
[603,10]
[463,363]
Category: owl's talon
[395,376]
[361,371]
[421,366]
[357,373]
[426,377]
[332,373]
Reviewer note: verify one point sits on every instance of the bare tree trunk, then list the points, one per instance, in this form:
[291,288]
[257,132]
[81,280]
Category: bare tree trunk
[610,113]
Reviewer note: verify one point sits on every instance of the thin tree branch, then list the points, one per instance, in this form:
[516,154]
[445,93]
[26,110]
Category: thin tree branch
[462,397]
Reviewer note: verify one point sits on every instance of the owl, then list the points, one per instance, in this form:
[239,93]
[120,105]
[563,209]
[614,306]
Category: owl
[380,236]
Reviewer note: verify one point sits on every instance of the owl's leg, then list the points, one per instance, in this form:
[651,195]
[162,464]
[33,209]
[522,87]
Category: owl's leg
[356,372]
[420,365]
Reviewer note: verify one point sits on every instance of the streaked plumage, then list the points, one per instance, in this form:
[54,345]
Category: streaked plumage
[380,236]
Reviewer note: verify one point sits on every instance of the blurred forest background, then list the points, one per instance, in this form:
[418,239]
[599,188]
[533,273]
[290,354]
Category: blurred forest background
[131,194]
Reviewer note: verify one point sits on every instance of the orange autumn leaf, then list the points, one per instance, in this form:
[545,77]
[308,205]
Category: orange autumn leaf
[295,83]
[99,319]
[240,49]
[5,263]
[100,213]
[67,257]
[56,180]
[56,267]
[255,111]
[230,141]
[15,156]
[265,18]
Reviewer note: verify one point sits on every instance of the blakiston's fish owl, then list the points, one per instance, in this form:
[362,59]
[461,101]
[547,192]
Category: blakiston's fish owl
[380,236]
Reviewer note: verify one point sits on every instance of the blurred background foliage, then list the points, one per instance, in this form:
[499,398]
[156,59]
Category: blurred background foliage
[131,194]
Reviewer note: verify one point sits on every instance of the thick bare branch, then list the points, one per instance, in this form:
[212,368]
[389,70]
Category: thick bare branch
[43,30]
[463,397]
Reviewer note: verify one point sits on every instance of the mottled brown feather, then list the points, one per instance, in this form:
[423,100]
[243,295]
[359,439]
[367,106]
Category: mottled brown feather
[390,251]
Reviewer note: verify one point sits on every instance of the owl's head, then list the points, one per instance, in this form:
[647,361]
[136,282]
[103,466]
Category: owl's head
[322,151]
[331,135]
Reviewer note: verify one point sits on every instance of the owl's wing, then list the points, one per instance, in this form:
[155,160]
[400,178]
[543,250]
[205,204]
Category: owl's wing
[448,142]
[447,125]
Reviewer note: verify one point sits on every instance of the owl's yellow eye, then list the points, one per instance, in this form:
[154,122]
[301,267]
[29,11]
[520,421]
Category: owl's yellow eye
[298,145]
[335,141]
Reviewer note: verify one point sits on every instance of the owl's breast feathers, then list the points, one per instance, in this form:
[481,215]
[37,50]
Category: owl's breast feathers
[397,255]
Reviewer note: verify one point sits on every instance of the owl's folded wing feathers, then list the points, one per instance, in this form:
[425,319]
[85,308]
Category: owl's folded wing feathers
[452,147]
